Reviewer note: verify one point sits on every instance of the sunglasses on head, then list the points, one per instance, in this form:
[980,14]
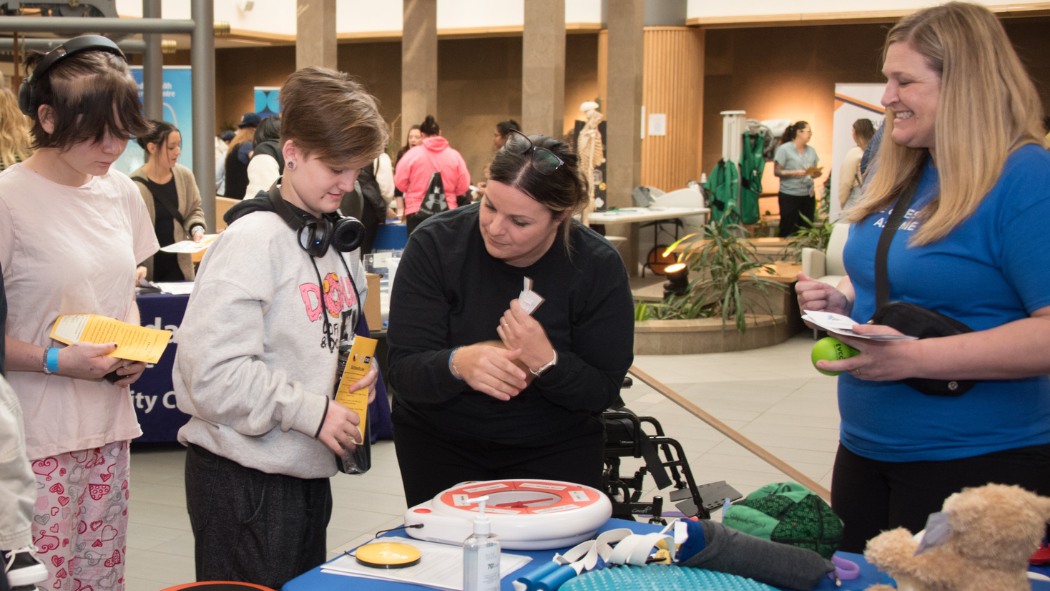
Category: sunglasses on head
[543,160]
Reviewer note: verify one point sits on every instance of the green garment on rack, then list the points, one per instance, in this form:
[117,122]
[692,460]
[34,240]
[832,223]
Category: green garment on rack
[721,186]
[752,166]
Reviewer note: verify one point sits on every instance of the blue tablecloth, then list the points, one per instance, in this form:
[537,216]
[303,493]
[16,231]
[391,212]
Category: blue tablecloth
[390,237]
[154,396]
[315,580]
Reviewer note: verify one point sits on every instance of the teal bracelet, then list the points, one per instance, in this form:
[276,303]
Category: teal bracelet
[52,360]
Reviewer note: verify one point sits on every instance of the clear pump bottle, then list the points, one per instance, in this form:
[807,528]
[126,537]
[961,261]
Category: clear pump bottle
[481,554]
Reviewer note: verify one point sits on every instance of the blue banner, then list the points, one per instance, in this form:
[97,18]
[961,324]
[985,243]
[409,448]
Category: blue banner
[178,110]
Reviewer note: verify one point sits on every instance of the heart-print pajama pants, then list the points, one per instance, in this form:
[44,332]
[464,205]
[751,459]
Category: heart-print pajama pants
[80,521]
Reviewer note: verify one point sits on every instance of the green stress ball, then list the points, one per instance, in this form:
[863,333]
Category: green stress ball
[830,349]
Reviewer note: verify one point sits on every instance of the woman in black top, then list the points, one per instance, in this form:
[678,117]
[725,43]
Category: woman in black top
[173,201]
[484,390]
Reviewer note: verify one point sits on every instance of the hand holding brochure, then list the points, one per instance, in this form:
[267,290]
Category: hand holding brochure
[189,246]
[357,365]
[843,325]
[135,343]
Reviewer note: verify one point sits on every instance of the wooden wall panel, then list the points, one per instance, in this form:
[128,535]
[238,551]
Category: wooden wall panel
[673,85]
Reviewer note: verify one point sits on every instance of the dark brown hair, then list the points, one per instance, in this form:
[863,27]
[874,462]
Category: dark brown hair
[91,92]
[430,126]
[327,113]
[865,130]
[158,134]
[561,191]
[792,131]
[505,127]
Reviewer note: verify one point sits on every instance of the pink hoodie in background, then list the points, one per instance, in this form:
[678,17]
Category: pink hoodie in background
[415,167]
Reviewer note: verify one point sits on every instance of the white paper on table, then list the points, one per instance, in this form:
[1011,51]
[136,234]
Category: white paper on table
[176,287]
[843,325]
[189,246]
[440,567]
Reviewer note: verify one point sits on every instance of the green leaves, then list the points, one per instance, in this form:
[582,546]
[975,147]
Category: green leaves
[719,258]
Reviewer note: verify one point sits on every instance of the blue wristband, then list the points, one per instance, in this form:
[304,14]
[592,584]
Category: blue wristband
[52,360]
[452,366]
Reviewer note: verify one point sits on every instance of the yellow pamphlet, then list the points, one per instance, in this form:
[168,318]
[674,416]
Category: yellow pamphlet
[357,366]
[135,343]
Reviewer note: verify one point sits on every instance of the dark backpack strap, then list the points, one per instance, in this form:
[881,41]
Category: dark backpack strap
[882,251]
[172,210]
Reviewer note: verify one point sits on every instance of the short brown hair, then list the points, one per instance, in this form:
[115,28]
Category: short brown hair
[91,92]
[329,114]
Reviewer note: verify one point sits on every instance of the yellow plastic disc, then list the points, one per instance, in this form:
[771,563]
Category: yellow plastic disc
[387,555]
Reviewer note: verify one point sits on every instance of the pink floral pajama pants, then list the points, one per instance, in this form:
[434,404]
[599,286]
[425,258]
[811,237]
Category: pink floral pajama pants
[80,520]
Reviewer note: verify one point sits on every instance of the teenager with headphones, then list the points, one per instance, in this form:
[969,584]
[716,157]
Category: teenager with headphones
[71,233]
[275,296]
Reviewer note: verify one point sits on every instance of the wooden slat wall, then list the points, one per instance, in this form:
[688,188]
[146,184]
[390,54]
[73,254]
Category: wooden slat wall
[673,85]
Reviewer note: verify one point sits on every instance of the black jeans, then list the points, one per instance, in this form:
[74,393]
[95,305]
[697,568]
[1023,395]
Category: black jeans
[872,496]
[254,527]
[432,462]
[790,208]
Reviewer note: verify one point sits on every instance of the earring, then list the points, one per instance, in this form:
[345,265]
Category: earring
[291,165]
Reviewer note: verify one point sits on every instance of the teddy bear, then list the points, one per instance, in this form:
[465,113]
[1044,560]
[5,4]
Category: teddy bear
[984,539]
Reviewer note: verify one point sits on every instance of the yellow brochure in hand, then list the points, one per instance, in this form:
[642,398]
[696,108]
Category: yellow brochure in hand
[135,343]
[357,366]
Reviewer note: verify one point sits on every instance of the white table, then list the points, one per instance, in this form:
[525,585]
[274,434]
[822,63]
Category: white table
[636,215]
[633,215]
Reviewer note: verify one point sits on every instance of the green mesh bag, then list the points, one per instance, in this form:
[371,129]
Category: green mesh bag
[788,513]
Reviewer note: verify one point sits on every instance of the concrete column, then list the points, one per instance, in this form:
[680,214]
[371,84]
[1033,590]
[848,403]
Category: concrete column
[315,42]
[152,66]
[419,63]
[626,23]
[202,76]
[543,68]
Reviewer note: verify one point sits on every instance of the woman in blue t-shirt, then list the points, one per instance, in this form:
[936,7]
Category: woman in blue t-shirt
[795,163]
[970,248]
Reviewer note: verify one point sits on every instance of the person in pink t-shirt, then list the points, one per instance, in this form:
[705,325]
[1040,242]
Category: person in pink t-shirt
[418,164]
[71,234]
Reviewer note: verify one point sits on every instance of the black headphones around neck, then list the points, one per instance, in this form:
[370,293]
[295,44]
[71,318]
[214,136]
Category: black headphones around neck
[26,98]
[315,235]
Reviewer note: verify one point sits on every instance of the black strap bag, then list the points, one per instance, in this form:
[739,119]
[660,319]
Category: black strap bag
[434,201]
[911,319]
[172,209]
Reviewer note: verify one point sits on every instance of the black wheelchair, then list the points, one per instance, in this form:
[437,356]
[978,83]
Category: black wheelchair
[665,461]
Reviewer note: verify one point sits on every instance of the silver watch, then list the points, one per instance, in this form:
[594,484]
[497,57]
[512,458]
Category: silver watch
[546,366]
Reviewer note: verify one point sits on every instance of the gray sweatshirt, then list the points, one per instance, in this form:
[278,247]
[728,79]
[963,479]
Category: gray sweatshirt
[254,363]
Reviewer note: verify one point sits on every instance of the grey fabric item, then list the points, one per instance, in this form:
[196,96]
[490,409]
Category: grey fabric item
[937,532]
[734,552]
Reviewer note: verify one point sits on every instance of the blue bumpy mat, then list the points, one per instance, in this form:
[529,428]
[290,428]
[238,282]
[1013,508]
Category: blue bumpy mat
[661,577]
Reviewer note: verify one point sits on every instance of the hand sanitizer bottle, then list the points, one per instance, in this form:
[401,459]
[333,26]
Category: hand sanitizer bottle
[481,554]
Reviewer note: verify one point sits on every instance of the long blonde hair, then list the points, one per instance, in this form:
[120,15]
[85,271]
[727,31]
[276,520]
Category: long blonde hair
[244,134]
[987,108]
[14,131]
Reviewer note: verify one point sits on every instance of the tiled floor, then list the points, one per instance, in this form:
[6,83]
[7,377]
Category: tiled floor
[773,396]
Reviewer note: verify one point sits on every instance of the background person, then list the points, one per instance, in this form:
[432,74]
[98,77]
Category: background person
[415,138]
[14,131]
[415,169]
[71,232]
[850,177]
[965,250]
[266,164]
[795,163]
[239,155]
[461,346]
[172,200]
[503,129]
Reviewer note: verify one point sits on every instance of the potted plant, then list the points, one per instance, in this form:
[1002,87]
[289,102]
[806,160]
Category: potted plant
[720,261]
